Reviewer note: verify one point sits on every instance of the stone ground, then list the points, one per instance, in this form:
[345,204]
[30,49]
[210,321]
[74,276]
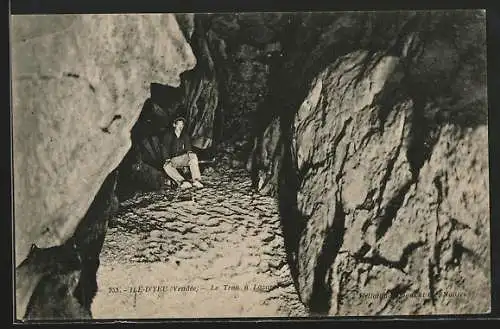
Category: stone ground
[217,252]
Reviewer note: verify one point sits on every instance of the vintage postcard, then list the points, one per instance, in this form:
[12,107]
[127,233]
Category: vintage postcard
[235,165]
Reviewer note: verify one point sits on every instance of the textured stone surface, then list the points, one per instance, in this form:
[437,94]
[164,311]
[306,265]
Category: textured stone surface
[201,87]
[266,158]
[375,142]
[197,99]
[413,233]
[434,254]
[247,87]
[371,132]
[226,234]
[60,282]
[324,136]
[78,86]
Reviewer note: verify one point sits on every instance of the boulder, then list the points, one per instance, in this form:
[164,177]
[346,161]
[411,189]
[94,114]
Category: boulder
[78,84]
[197,99]
[373,214]
[201,100]
[376,140]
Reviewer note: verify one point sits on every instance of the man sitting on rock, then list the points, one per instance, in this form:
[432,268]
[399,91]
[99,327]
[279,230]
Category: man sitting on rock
[177,153]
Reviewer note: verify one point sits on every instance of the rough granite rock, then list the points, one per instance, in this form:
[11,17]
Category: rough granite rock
[433,256]
[371,131]
[376,136]
[389,229]
[78,85]
[265,160]
[197,99]
[410,237]
[247,87]
[323,139]
[201,88]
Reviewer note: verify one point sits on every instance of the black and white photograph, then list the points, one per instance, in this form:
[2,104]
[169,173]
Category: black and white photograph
[250,165]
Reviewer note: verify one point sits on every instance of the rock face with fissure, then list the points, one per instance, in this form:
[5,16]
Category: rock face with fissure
[371,132]
[201,87]
[219,97]
[197,99]
[79,83]
[401,239]
[382,175]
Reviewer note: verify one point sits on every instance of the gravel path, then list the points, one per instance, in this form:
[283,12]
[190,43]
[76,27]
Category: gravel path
[219,253]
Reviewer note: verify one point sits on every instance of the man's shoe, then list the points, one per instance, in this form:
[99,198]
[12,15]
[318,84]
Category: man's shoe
[197,184]
[185,185]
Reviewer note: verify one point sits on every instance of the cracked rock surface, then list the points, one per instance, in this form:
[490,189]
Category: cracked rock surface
[387,221]
[78,82]
[379,159]
[57,138]
[215,242]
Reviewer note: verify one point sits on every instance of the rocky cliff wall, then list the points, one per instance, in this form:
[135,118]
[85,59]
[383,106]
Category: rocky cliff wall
[369,128]
[381,164]
[79,82]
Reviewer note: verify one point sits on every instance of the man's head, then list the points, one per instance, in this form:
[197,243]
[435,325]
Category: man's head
[179,123]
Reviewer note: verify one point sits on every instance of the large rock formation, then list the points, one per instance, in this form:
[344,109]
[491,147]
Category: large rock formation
[370,129]
[381,165]
[251,46]
[79,83]
[219,97]
[196,99]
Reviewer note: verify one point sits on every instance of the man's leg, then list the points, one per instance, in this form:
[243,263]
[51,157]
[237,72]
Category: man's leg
[195,169]
[172,172]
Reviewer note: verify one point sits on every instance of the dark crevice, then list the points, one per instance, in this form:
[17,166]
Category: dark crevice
[385,179]
[377,259]
[340,173]
[432,277]
[341,135]
[422,136]
[391,209]
[291,220]
[437,247]
[89,238]
[334,238]
[309,168]
[421,140]
[392,95]
[456,258]
[359,254]
[368,203]
[323,105]
[366,138]
[72,75]
[115,117]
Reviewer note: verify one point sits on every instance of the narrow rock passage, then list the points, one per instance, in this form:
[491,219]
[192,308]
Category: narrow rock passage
[219,254]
